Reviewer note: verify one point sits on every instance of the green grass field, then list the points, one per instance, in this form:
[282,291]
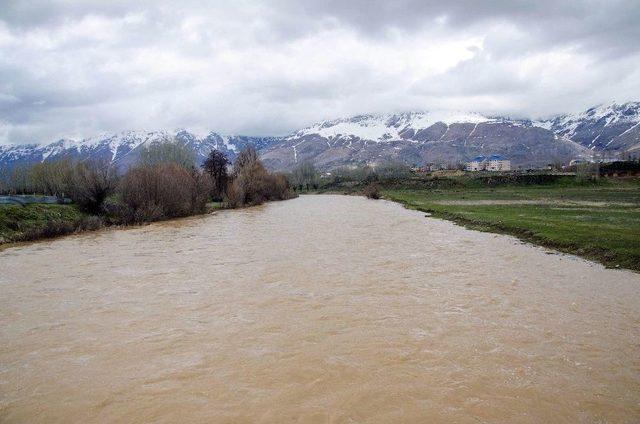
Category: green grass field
[598,221]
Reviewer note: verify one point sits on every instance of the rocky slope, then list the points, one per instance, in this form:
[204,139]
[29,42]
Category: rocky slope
[613,128]
[123,149]
[418,138]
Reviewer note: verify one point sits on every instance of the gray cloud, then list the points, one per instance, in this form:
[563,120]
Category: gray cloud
[84,67]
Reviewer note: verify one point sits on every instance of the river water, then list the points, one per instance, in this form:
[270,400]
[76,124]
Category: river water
[319,309]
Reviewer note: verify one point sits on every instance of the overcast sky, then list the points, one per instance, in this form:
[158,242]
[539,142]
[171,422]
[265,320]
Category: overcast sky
[80,68]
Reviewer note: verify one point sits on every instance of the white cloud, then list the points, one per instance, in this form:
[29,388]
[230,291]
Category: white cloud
[271,67]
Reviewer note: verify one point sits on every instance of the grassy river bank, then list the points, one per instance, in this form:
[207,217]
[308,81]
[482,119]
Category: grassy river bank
[41,221]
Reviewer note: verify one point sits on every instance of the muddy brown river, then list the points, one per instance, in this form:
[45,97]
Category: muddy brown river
[322,309]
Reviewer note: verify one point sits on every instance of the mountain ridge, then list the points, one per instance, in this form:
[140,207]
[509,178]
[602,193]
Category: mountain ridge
[412,137]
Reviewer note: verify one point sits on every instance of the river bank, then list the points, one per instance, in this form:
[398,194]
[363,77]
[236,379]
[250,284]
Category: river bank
[33,222]
[598,220]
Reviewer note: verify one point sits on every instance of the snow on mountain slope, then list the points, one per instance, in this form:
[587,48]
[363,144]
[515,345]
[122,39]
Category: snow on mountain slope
[122,149]
[418,138]
[609,128]
[411,137]
[386,127]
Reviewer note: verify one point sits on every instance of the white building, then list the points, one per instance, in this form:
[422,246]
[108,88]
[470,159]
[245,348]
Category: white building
[491,163]
[498,163]
[477,164]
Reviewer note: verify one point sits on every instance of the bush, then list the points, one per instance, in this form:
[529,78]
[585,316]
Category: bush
[163,191]
[91,183]
[116,212]
[252,184]
[371,191]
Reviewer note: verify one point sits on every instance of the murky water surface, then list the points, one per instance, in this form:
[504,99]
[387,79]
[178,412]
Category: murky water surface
[319,309]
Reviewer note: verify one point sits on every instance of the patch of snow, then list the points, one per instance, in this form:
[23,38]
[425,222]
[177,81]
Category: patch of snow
[542,124]
[612,113]
[472,131]
[226,140]
[381,128]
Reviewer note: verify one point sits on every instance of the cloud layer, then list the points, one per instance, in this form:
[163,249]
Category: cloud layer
[78,68]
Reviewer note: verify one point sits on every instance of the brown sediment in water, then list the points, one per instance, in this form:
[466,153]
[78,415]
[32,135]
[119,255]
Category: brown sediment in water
[323,308]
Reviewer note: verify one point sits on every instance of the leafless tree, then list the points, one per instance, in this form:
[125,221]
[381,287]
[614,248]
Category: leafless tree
[168,151]
[90,184]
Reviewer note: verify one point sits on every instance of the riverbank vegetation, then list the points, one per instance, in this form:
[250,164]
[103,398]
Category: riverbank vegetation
[596,218]
[36,221]
[163,184]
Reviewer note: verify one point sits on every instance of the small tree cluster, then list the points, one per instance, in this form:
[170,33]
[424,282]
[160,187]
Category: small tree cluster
[87,183]
[167,151]
[252,184]
[165,190]
[163,184]
[385,171]
[305,177]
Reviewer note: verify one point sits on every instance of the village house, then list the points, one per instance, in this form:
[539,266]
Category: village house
[489,163]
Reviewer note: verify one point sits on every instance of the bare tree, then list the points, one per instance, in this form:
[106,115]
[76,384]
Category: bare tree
[252,184]
[304,176]
[51,178]
[91,183]
[162,191]
[168,151]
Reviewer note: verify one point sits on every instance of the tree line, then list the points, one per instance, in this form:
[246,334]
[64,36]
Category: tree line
[306,177]
[164,183]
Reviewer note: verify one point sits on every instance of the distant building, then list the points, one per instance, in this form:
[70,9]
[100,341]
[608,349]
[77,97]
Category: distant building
[498,163]
[491,163]
[477,164]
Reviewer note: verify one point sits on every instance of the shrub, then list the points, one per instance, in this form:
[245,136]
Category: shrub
[91,183]
[90,223]
[371,191]
[252,184]
[279,188]
[117,212]
[162,191]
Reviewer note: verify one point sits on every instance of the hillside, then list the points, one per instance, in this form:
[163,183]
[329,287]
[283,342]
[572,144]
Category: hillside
[414,138]
[612,128]
[420,137]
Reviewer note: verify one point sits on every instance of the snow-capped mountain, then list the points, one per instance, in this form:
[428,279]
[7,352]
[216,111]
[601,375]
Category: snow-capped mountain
[412,137]
[418,138]
[611,128]
[123,149]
